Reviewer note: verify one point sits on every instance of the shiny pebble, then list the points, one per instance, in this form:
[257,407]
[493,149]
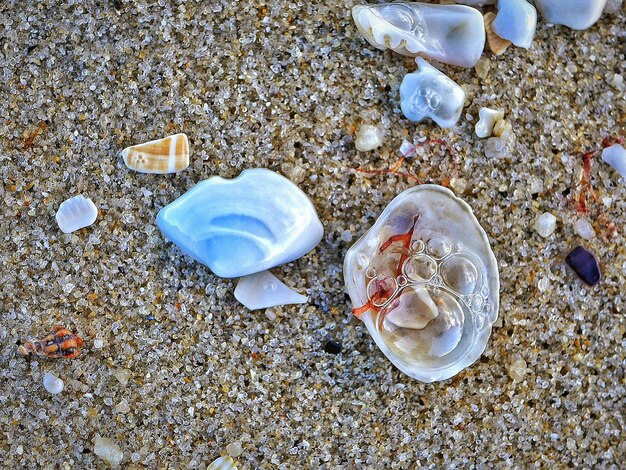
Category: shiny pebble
[585,264]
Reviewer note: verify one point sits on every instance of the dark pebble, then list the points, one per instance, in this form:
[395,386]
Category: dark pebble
[150,317]
[585,264]
[332,348]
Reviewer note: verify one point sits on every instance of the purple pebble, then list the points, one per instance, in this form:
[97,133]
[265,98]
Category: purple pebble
[585,264]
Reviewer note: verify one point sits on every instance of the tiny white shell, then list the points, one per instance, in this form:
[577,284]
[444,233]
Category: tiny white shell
[76,213]
[223,463]
[488,118]
[615,155]
[264,290]
[516,21]
[52,383]
[368,138]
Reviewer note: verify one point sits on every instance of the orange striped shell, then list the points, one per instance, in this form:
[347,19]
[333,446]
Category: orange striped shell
[168,155]
[60,342]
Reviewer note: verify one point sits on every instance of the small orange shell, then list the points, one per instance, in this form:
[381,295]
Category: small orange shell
[60,342]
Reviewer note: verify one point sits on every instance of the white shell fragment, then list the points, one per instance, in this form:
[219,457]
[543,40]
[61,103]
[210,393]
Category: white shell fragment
[223,463]
[425,282]
[244,225]
[368,138]
[516,21]
[545,224]
[52,383]
[452,34]
[264,290]
[108,451]
[429,93]
[576,14]
[584,229]
[488,118]
[615,155]
[167,155]
[76,213]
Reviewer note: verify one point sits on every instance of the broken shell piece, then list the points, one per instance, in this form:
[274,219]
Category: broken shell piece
[452,34]
[368,138]
[516,21]
[223,463]
[497,45]
[425,282]
[244,225]
[615,155]
[585,264]
[264,290]
[428,93]
[488,118]
[576,14]
[76,213]
[167,155]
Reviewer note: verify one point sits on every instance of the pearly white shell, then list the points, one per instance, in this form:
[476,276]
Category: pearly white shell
[447,280]
[577,14]
[488,118]
[223,463]
[452,34]
[264,290]
[52,383]
[368,138]
[429,93]
[516,21]
[76,213]
[244,225]
[615,155]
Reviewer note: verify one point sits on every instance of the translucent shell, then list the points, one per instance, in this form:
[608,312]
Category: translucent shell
[425,282]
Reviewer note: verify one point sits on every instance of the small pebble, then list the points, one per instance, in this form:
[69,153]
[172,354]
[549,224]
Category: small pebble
[585,265]
[517,370]
[368,138]
[407,149]
[482,67]
[122,375]
[19,450]
[98,344]
[459,185]
[584,229]
[234,449]
[52,384]
[545,224]
[108,451]
[122,407]
[332,347]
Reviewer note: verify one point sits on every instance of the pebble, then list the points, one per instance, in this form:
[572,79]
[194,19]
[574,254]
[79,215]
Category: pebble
[122,375]
[543,284]
[459,185]
[52,383]
[545,224]
[332,347]
[495,147]
[122,407]
[234,449]
[517,370]
[584,229]
[585,265]
[108,451]
[368,138]
[98,344]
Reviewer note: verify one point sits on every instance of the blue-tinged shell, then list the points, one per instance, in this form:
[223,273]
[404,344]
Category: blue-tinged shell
[244,225]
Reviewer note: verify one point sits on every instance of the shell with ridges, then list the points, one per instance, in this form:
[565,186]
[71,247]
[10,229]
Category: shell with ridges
[167,155]
[76,213]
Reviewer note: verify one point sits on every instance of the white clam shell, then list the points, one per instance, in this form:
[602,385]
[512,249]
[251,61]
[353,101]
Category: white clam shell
[516,21]
[430,94]
[264,290]
[576,14]
[439,284]
[615,155]
[244,225]
[223,463]
[76,213]
[452,34]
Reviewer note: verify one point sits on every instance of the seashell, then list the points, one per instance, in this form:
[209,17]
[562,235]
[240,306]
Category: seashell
[223,463]
[243,226]
[497,45]
[167,155]
[452,34]
[585,265]
[615,155]
[516,21]
[60,342]
[428,93]
[488,118]
[52,383]
[108,451]
[576,14]
[368,138]
[425,282]
[545,224]
[264,290]
[76,213]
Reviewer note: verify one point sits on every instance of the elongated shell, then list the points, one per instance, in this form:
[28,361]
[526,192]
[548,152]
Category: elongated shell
[76,213]
[425,282]
[167,155]
[264,290]
[223,463]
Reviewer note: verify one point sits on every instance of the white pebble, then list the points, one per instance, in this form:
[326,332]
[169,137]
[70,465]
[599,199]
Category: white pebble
[234,449]
[108,451]
[368,138]
[517,370]
[19,450]
[98,344]
[584,228]
[488,118]
[615,155]
[543,284]
[122,375]
[52,384]
[407,149]
[545,224]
